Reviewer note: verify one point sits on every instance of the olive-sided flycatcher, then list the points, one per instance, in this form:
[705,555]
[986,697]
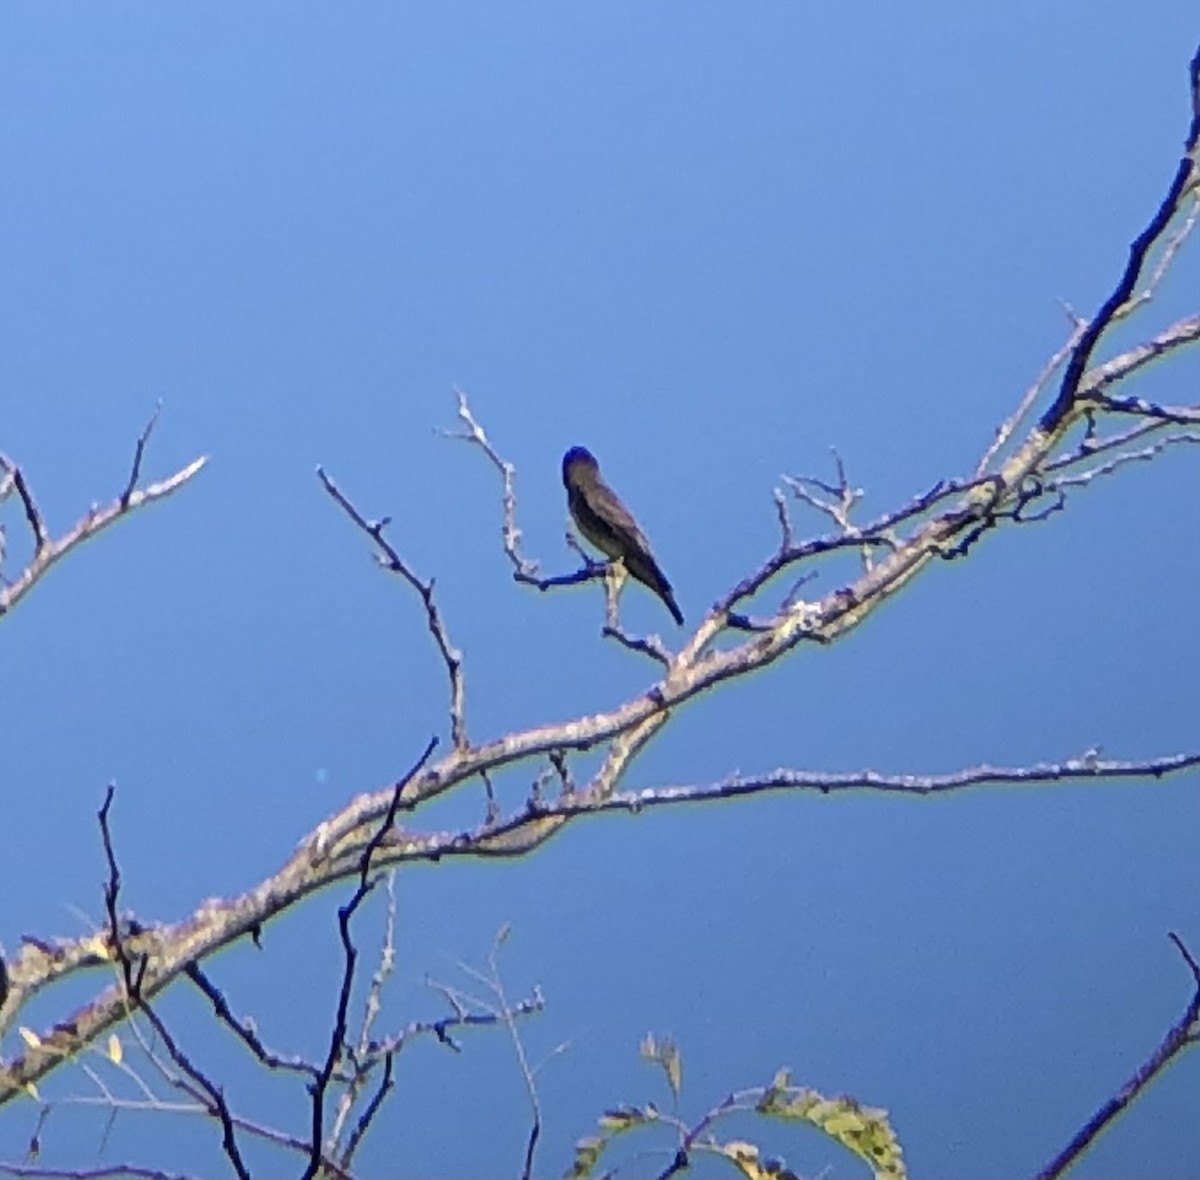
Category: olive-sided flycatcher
[608,524]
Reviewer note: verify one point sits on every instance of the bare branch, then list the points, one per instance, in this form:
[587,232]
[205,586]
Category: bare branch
[1185,1031]
[1079,326]
[37,525]
[537,820]
[523,570]
[361,1053]
[838,507]
[107,1172]
[337,1040]
[1179,334]
[843,496]
[1189,415]
[650,645]
[783,516]
[139,451]
[1188,958]
[1123,293]
[244,1030]
[505,1012]
[47,551]
[1164,262]
[367,1117]
[508,836]
[1010,424]
[1142,455]
[1089,766]
[131,977]
[1093,445]
[391,560]
[362,1059]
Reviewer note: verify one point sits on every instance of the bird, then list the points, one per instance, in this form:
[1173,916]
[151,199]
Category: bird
[610,526]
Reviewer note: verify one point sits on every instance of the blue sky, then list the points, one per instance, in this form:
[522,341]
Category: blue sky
[709,242]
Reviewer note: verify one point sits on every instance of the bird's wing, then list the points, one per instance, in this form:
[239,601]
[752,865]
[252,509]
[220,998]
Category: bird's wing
[606,522]
[610,526]
[620,518]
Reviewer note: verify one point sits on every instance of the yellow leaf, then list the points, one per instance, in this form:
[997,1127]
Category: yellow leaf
[587,1152]
[744,1157]
[32,1091]
[114,1049]
[771,1095]
[673,1064]
[30,1038]
[98,946]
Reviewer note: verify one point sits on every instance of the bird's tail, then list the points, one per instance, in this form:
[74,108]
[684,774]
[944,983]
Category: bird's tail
[669,598]
[645,569]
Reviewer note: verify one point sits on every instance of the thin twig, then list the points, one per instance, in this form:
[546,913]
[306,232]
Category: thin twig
[523,570]
[107,1172]
[1005,431]
[244,1030]
[391,560]
[47,551]
[1122,293]
[361,1055]
[1142,455]
[1185,1031]
[493,981]
[132,976]
[337,1038]
[139,451]
[37,525]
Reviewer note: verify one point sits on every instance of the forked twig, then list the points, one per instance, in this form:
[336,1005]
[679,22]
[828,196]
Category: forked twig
[48,550]
[391,560]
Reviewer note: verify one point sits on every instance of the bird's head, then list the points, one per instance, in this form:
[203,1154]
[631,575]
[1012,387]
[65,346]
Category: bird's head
[580,461]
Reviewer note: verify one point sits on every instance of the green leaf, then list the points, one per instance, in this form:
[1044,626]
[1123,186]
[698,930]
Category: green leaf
[864,1130]
[612,1123]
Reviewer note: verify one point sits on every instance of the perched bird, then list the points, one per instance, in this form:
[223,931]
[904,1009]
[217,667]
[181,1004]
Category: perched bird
[608,524]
